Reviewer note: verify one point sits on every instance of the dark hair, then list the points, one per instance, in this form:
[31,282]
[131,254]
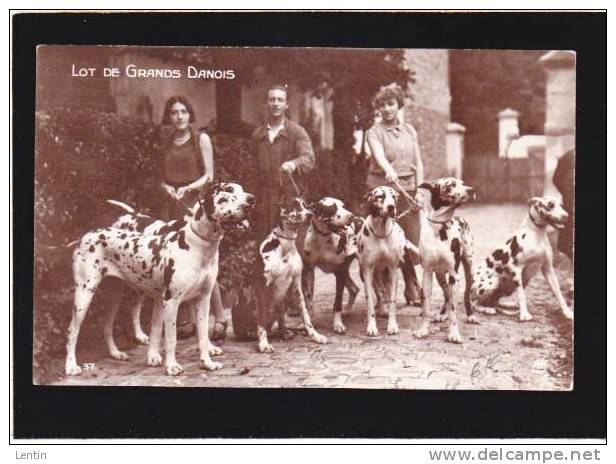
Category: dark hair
[172,101]
[282,87]
[392,91]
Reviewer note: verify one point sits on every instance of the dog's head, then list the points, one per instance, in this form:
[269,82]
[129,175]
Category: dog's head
[225,203]
[382,202]
[548,210]
[294,211]
[331,212]
[447,191]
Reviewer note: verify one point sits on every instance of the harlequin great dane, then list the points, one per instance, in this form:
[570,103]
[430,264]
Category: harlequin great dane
[331,245]
[382,248]
[135,221]
[172,266]
[509,268]
[445,244]
[280,271]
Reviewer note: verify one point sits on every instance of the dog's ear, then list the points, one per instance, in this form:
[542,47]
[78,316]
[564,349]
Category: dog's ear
[429,185]
[434,188]
[206,200]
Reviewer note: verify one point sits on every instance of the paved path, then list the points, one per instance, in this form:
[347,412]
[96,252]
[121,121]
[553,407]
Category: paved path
[500,353]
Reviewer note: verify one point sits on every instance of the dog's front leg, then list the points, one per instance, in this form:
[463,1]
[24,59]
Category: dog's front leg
[341,275]
[524,314]
[426,311]
[368,274]
[448,289]
[308,284]
[391,286]
[265,300]
[206,347]
[549,274]
[156,331]
[312,333]
[170,315]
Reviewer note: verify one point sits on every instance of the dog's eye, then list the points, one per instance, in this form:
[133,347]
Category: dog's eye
[551,204]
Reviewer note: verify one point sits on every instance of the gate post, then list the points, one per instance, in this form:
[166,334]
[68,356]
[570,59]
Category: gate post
[455,149]
[559,66]
[507,130]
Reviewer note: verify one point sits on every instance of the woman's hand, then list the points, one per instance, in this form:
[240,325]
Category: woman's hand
[391,175]
[181,192]
[169,190]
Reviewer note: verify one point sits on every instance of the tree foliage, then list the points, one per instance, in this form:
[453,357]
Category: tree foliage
[484,82]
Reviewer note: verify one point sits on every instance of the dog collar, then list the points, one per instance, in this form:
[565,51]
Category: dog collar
[325,234]
[541,226]
[284,237]
[205,239]
[391,229]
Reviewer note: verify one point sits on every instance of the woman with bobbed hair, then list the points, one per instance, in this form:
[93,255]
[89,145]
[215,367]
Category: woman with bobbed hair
[188,164]
[395,154]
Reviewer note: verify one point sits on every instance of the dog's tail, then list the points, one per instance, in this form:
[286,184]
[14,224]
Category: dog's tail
[122,205]
[57,247]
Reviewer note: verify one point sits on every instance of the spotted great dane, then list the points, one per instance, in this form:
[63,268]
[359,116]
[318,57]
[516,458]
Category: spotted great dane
[279,270]
[177,263]
[331,245]
[509,268]
[382,249]
[445,244]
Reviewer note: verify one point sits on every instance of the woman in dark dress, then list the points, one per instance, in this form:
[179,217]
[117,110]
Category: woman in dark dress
[188,164]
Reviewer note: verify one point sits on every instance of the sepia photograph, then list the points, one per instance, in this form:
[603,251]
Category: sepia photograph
[304,217]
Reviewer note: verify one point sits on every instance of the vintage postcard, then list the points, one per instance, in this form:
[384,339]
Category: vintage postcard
[304,217]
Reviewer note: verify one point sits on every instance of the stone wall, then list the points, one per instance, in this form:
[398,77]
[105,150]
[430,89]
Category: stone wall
[429,108]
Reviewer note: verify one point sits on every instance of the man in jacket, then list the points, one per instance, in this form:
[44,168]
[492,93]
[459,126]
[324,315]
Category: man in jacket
[283,148]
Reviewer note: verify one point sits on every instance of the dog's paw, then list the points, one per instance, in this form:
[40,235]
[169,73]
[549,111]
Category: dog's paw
[454,336]
[174,369]
[266,348]
[568,314]
[142,338]
[441,317]
[72,369]
[472,319]
[214,350]
[486,310]
[322,339]
[421,333]
[154,359]
[119,355]
[372,330]
[339,327]
[525,316]
[392,328]
[210,365]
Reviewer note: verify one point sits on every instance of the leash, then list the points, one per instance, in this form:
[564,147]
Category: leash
[299,194]
[413,205]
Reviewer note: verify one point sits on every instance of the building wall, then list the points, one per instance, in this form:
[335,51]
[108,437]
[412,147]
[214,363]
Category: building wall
[429,108]
[127,91]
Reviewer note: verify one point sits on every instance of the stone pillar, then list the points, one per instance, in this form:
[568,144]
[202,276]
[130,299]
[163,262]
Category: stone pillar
[508,130]
[559,126]
[455,149]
